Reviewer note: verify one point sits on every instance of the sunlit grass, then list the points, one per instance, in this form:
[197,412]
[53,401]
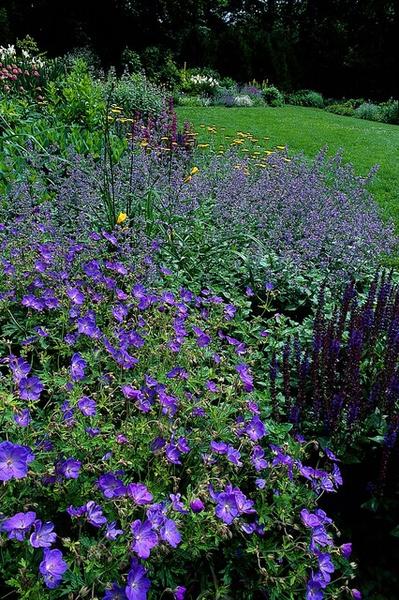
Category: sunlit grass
[261,131]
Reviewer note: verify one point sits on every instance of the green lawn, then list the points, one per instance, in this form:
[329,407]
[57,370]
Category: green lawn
[365,143]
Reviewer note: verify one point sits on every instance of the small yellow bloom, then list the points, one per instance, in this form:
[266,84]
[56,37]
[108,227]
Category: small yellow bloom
[194,170]
[187,179]
[203,145]
[144,143]
[121,218]
[280,147]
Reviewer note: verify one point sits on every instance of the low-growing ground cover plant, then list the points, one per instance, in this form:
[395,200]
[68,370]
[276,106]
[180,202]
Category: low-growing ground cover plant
[136,458]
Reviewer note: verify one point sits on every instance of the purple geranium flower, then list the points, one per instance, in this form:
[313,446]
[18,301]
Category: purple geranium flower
[112,531]
[44,535]
[255,429]
[138,583]
[139,493]
[30,388]
[70,468]
[111,486]
[144,538]
[346,550]
[87,406]
[226,509]
[23,417]
[94,514]
[20,368]
[52,567]
[78,365]
[169,533]
[257,458]
[197,505]
[14,461]
[314,590]
[245,376]
[17,526]
[179,592]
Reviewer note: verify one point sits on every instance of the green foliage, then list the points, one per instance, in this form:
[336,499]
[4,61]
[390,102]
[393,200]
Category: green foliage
[77,98]
[306,98]
[131,60]
[135,93]
[272,96]
[344,109]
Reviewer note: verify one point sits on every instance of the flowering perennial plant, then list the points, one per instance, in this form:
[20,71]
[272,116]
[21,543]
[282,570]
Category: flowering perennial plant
[137,457]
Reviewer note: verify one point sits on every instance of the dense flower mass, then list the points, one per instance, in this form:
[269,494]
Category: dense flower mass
[139,419]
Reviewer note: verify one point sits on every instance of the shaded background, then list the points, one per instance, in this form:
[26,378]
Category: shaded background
[342,48]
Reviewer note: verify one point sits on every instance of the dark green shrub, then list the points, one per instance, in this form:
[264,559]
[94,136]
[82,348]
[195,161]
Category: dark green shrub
[306,98]
[272,96]
[344,109]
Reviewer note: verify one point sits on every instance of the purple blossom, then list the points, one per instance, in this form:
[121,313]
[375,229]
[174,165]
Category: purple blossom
[356,595]
[257,458]
[138,583]
[52,567]
[75,295]
[346,550]
[197,505]
[70,468]
[245,376]
[169,533]
[144,538]
[18,526]
[78,366]
[94,514]
[326,566]
[139,493]
[30,388]
[111,486]
[314,590]
[14,461]
[255,429]
[116,592]
[87,406]
[112,531]
[226,509]
[20,368]
[179,592]
[23,418]
[44,535]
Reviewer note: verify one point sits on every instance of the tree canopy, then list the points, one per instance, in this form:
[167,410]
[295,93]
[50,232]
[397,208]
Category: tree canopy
[339,47]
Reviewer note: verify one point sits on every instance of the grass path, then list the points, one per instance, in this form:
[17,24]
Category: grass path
[365,143]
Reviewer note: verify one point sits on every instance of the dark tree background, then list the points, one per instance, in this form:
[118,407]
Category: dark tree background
[339,47]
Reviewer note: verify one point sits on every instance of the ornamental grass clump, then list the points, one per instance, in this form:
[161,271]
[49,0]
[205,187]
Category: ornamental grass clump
[135,455]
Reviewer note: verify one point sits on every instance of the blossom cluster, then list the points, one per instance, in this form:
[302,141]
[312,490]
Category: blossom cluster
[132,410]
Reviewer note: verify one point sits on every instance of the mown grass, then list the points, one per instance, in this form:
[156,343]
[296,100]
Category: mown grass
[364,143]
